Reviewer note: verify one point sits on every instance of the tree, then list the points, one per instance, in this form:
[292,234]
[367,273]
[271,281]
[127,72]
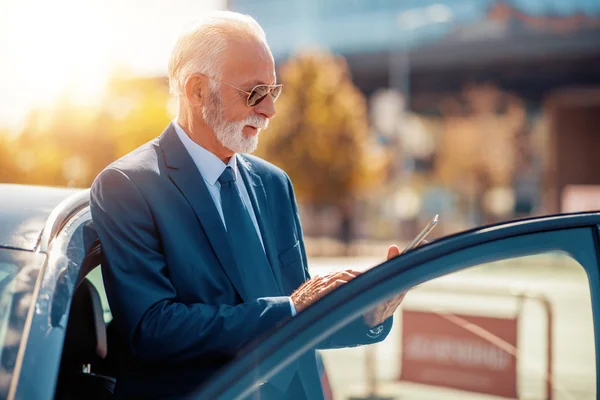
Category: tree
[69,143]
[479,143]
[8,170]
[138,110]
[321,136]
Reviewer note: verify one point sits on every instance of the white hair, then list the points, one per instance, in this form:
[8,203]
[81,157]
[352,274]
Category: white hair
[199,48]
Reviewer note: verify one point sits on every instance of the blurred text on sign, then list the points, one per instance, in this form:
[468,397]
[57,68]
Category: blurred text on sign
[577,198]
[440,351]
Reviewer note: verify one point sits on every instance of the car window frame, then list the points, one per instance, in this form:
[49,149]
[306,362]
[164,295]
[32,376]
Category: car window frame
[576,235]
[38,362]
[25,285]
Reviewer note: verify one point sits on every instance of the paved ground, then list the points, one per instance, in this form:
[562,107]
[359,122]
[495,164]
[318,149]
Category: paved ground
[560,279]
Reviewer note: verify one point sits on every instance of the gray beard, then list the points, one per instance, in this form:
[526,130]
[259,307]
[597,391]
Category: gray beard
[229,134]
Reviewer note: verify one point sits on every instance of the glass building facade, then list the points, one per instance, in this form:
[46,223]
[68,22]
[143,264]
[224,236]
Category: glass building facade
[359,26]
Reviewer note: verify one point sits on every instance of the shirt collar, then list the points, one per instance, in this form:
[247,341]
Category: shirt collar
[210,166]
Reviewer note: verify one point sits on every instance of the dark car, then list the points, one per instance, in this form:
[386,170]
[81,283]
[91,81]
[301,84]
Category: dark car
[55,332]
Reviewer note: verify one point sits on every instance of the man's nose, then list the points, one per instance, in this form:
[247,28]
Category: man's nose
[266,107]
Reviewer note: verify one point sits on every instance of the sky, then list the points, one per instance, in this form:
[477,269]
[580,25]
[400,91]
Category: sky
[49,47]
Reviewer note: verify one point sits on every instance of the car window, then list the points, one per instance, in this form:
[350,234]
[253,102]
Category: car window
[95,278]
[479,333]
[41,361]
[483,317]
[18,270]
[8,273]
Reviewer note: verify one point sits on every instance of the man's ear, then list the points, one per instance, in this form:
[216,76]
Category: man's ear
[195,88]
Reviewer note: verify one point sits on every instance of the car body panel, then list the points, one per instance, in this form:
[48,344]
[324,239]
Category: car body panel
[17,305]
[41,354]
[41,224]
[24,211]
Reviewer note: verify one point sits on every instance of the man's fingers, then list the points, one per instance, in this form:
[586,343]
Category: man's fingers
[343,275]
[397,300]
[317,287]
[332,286]
[309,284]
[393,251]
[393,305]
[348,275]
[321,283]
[376,317]
[354,272]
[384,310]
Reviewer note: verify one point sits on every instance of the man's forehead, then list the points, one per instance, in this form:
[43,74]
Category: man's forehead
[248,62]
[254,82]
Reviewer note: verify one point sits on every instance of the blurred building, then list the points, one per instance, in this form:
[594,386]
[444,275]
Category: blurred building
[530,67]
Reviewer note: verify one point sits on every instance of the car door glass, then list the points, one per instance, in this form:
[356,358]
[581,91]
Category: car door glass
[8,273]
[488,330]
[95,278]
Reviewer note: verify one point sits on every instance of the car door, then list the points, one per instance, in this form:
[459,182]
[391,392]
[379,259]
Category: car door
[65,239]
[527,291]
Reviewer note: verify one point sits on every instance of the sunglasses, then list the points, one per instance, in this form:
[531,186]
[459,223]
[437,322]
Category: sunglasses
[258,92]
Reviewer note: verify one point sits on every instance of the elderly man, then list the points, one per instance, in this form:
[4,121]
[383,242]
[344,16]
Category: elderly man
[204,248]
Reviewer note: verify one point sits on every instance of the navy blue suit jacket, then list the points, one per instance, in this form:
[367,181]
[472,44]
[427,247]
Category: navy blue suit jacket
[178,303]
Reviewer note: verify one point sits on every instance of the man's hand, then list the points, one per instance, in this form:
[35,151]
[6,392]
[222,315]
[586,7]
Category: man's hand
[317,287]
[385,310]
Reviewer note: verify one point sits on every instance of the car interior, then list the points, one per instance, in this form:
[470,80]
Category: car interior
[90,362]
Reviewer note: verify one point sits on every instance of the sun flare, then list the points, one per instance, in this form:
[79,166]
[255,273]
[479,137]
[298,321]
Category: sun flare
[57,49]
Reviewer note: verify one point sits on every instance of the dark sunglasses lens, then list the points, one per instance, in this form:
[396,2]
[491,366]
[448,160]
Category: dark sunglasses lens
[258,94]
[276,92]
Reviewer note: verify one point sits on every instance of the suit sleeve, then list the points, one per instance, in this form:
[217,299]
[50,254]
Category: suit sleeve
[144,302]
[357,332]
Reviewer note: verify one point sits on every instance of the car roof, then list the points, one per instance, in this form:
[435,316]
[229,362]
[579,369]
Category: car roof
[24,210]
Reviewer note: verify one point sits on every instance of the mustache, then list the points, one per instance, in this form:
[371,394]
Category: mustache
[257,121]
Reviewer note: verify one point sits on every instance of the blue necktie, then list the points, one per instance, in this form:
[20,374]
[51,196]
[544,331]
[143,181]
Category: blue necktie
[250,257]
[248,252]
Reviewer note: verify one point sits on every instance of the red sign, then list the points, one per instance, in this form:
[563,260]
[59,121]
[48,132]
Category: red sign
[577,198]
[464,352]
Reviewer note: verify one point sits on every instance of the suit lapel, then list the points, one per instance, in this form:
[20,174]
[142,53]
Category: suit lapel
[258,197]
[185,175]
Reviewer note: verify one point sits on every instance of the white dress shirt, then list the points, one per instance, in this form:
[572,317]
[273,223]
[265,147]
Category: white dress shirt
[211,167]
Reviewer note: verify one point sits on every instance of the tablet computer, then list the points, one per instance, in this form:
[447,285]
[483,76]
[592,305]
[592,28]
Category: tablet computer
[419,238]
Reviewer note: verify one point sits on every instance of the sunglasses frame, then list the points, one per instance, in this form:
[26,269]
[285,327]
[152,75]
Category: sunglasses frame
[249,93]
